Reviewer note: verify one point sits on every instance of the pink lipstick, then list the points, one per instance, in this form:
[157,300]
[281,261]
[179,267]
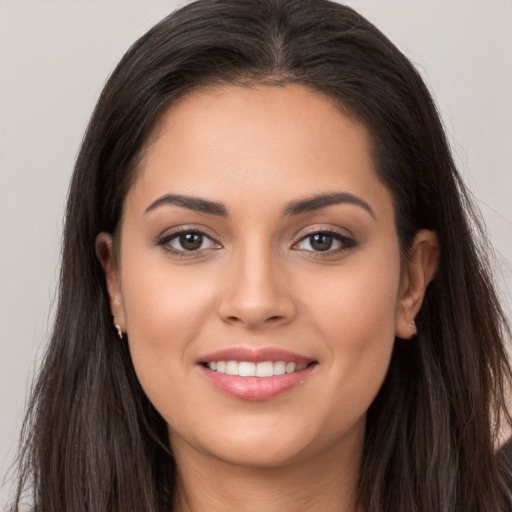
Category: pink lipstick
[255,374]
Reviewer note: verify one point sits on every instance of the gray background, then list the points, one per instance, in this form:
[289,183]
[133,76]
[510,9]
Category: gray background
[54,59]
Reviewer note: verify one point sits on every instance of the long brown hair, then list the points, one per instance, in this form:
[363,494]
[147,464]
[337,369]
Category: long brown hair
[93,441]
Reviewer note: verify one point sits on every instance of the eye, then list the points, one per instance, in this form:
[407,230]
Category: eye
[187,241]
[324,241]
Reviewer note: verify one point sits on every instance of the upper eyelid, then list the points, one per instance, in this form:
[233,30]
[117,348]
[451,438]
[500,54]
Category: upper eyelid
[346,241]
[164,242]
[343,233]
[173,232]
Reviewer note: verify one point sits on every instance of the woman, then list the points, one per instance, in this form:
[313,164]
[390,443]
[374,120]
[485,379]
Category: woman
[271,297]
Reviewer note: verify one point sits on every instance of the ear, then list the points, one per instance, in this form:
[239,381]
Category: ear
[106,253]
[419,270]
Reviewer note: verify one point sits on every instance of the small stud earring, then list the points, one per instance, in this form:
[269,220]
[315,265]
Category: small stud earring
[118,328]
[119,331]
[412,325]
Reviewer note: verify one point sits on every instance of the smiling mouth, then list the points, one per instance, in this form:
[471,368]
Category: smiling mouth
[256,374]
[256,381]
[252,369]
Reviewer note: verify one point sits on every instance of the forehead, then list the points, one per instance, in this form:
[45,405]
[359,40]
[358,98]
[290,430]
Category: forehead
[262,141]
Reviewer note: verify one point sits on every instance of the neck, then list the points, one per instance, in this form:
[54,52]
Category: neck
[327,483]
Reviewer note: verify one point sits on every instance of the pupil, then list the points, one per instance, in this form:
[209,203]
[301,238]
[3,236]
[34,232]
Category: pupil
[191,241]
[321,242]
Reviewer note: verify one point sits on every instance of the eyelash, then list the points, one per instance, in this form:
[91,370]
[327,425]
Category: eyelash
[166,240]
[345,242]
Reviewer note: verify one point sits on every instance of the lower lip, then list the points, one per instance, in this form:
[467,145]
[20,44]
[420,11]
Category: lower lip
[256,388]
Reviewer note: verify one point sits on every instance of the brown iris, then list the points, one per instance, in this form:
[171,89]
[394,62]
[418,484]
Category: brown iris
[321,242]
[191,241]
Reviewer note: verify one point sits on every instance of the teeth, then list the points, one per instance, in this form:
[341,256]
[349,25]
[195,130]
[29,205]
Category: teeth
[279,368]
[232,368]
[290,367]
[248,369]
[265,369]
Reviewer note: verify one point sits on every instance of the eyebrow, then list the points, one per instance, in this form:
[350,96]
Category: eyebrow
[309,204]
[192,203]
[320,201]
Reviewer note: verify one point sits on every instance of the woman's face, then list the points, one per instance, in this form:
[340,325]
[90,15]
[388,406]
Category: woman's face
[259,241]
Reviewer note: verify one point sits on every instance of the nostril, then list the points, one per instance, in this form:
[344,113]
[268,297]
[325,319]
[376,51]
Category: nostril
[271,319]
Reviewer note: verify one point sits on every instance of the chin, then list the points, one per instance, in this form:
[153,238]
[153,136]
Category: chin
[263,454]
[266,441]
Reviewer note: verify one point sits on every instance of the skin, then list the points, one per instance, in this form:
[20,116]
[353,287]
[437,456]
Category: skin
[257,281]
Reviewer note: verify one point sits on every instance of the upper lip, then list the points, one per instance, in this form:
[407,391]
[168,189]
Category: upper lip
[256,355]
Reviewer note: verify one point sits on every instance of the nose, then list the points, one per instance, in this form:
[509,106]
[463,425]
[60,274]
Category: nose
[255,292]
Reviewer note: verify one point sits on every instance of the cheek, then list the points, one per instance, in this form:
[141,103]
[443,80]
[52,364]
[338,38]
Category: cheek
[356,320]
[359,301]
[161,298]
[165,309]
